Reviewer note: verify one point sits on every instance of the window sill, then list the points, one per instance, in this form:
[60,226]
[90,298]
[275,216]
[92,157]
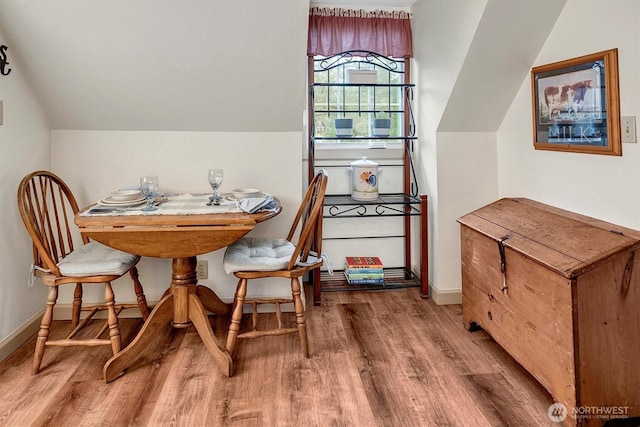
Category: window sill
[336,152]
[356,146]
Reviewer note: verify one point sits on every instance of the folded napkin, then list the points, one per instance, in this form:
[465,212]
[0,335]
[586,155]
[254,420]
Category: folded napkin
[104,209]
[255,204]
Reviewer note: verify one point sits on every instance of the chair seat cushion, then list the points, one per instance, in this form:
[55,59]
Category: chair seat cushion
[258,254]
[96,259]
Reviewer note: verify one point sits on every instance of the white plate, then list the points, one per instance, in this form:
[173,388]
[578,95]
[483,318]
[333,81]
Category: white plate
[232,197]
[125,195]
[245,192]
[108,201]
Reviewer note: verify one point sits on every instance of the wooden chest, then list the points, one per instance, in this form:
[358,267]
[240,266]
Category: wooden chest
[561,293]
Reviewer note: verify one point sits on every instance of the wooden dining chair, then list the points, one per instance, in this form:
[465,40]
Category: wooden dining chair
[61,255]
[292,257]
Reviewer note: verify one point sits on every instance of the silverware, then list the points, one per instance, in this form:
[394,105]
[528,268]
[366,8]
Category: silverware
[107,209]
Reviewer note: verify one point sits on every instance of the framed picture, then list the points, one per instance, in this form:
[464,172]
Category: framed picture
[576,105]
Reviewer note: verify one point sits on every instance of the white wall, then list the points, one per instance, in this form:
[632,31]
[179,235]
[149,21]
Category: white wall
[442,34]
[467,179]
[96,162]
[471,58]
[24,147]
[605,187]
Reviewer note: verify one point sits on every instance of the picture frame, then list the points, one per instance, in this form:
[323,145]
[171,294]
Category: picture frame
[576,105]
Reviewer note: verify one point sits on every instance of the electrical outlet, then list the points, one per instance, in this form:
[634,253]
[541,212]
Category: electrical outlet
[628,125]
[202,269]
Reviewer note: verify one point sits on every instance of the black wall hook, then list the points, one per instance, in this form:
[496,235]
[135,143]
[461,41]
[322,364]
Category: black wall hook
[4,69]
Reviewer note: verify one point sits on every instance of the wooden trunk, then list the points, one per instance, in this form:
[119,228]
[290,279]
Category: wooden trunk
[561,293]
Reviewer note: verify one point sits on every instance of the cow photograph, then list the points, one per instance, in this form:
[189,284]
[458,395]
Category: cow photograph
[576,104]
[574,96]
[570,107]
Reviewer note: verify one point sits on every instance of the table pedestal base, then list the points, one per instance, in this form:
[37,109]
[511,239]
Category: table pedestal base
[185,304]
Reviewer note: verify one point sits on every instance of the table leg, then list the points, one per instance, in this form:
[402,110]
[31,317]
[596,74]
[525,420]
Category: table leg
[159,317]
[198,316]
[212,302]
[184,305]
[183,284]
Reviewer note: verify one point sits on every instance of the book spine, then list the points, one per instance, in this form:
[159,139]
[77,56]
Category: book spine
[366,276]
[362,281]
[361,262]
[361,266]
[365,281]
[365,270]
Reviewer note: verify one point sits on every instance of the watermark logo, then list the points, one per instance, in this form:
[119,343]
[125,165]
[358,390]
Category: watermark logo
[557,412]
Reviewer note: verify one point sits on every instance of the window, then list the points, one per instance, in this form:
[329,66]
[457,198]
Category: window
[361,86]
[357,63]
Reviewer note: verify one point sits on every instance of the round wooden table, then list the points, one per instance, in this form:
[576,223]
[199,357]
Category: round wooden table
[180,237]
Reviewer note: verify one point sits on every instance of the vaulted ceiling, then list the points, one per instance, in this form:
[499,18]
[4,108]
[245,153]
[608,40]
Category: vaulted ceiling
[220,65]
[163,64]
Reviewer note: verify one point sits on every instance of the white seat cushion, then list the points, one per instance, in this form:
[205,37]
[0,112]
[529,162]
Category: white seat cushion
[96,259]
[258,254]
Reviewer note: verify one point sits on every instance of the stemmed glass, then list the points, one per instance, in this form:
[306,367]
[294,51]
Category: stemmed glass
[215,179]
[149,188]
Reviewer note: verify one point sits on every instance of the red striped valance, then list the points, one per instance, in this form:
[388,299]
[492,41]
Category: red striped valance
[337,30]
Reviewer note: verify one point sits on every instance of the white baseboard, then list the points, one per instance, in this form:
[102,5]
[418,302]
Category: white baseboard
[445,296]
[20,336]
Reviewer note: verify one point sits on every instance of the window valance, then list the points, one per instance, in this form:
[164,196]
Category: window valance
[337,30]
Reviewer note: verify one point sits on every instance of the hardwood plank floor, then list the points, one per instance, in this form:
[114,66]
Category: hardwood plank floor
[377,359]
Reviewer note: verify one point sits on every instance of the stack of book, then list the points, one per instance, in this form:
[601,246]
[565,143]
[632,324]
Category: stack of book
[363,270]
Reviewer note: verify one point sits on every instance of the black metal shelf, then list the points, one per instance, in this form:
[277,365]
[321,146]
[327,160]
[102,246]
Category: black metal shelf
[394,204]
[359,112]
[363,85]
[334,107]
[363,137]
[394,278]
[362,102]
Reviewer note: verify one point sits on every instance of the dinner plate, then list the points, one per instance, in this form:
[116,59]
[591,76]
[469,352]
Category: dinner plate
[232,197]
[242,193]
[108,201]
[125,195]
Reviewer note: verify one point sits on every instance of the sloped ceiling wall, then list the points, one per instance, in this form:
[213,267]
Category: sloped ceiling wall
[506,43]
[202,65]
[219,65]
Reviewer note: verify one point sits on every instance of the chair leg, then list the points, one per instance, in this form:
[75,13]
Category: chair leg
[45,328]
[77,305]
[300,320]
[137,287]
[236,317]
[112,319]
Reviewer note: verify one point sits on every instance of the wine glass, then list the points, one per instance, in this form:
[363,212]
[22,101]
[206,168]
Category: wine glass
[149,188]
[215,179]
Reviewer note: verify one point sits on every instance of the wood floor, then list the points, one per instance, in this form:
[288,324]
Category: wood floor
[377,359]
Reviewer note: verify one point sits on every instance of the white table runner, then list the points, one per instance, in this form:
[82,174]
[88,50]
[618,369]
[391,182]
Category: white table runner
[179,204]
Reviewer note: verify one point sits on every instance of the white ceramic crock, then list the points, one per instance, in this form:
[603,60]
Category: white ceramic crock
[364,179]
